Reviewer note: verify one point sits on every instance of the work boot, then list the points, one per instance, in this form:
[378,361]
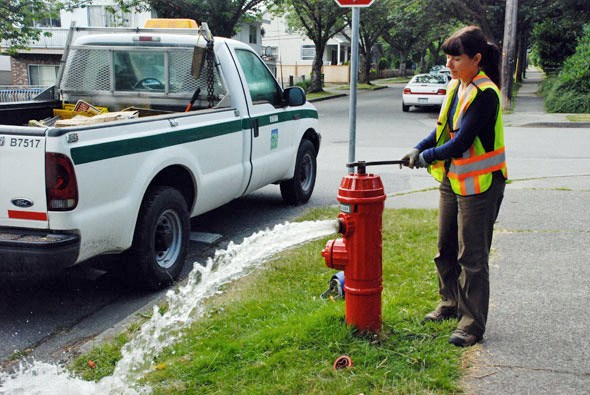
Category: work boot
[438,316]
[460,338]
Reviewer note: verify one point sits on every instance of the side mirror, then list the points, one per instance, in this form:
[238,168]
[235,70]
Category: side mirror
[294,96]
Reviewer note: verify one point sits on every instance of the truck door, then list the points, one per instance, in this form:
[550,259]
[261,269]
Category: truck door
[22,181]
[273,127]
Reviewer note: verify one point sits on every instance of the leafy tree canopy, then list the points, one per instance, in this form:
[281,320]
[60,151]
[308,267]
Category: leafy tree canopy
[223,16]
[19,20]
[319,20]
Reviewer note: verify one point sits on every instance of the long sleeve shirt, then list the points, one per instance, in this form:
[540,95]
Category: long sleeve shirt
[478,121]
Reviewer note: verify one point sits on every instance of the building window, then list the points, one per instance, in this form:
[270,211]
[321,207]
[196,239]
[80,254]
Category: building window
[43,75]
[253,34]
[48,22]
[41,20]
[99,16]
[307,52]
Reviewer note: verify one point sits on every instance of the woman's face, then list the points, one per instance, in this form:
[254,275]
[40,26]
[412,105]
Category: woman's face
[463,67]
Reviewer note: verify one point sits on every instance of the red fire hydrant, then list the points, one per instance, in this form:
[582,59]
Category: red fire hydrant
[359,252]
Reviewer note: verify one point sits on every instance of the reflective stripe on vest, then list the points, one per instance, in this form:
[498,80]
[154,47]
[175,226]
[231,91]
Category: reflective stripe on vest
[466,171]
[471,174]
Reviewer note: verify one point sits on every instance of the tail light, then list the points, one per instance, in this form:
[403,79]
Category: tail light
[441,92]
[60,182]
[407,91]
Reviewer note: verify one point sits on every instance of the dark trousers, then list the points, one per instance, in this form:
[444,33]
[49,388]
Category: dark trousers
[465,229]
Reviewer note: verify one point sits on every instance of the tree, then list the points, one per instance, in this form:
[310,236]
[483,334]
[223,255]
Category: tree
[556,32]
[19,20]
[407,31]
[476,12]
[569,91]
[320,20]
[374,21]
[222,16]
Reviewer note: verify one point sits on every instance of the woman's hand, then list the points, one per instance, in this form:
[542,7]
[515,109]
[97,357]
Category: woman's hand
[411,157]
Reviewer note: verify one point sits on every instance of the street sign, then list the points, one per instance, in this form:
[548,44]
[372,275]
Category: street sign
[354,3]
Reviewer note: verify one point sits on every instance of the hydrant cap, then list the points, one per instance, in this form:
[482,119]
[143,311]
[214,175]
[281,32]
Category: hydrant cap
[361,186]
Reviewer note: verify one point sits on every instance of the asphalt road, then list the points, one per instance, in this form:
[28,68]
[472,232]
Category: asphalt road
[48,318]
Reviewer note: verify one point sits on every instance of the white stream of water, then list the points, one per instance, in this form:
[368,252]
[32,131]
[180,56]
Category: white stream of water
[184,306]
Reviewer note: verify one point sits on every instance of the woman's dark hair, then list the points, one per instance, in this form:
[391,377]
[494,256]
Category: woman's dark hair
[471,40]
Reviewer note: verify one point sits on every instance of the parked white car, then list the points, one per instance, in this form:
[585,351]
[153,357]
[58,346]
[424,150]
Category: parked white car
[424,90]
[445,71]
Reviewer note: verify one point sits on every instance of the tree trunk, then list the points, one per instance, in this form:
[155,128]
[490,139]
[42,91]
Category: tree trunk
[316,69]
[402,63]
[522,61]
[365,70]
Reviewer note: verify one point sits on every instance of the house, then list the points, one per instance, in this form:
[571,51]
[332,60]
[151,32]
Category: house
[38,66]
[294,53]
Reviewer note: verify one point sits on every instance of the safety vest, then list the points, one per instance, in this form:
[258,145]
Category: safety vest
[472,173]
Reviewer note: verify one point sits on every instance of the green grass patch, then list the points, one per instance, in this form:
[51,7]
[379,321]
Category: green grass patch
[578,117]
[271,333]
[317,95]
[101,360]
[366,87]
[396,80]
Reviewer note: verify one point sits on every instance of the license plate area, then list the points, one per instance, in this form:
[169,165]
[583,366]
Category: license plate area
[422,100]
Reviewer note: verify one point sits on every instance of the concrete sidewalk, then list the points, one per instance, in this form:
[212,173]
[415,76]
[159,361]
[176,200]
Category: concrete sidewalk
[537,336]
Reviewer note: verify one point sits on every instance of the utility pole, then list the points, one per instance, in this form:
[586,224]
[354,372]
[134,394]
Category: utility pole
[509,53]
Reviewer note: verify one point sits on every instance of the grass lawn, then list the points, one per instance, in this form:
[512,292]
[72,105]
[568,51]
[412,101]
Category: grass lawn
[271,333]
[579,117]
[317,95]
[366,87]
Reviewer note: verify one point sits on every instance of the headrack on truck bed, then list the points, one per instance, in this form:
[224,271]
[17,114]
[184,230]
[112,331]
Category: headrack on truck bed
[140,67]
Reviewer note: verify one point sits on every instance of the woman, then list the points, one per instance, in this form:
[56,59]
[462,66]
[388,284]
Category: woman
[465,153]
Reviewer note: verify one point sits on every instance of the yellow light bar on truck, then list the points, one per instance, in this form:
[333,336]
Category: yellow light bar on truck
[171,23]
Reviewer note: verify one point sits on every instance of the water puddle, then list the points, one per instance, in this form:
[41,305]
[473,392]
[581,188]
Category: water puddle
[184,306]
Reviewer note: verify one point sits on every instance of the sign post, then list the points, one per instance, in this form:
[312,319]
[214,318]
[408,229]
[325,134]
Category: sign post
[355,5]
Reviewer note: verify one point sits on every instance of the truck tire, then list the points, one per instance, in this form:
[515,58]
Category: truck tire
[298,189]
[161,239]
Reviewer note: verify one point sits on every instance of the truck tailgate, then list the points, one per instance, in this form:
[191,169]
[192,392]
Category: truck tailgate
[22,179]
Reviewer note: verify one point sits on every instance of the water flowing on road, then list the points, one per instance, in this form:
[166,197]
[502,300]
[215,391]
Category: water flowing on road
[164,329]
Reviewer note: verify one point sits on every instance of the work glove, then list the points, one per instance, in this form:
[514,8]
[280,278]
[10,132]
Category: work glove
[411,157]
[421,162]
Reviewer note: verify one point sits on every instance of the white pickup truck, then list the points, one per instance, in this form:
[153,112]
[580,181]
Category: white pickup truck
[131,183]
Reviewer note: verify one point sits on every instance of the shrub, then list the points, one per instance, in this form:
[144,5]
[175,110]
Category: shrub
[569,92]
[305,84]
[576,69]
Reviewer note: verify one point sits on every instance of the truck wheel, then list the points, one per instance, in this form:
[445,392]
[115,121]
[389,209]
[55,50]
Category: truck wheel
[298,189]
[161,239]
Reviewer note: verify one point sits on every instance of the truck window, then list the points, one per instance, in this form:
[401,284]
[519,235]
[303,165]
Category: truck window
[262,85]
[135,70]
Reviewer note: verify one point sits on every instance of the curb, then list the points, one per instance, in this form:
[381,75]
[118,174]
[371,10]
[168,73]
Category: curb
[336,95]
[556,125]
[327,97]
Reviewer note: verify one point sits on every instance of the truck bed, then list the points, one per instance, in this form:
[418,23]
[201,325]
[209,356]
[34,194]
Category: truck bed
[20,113]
